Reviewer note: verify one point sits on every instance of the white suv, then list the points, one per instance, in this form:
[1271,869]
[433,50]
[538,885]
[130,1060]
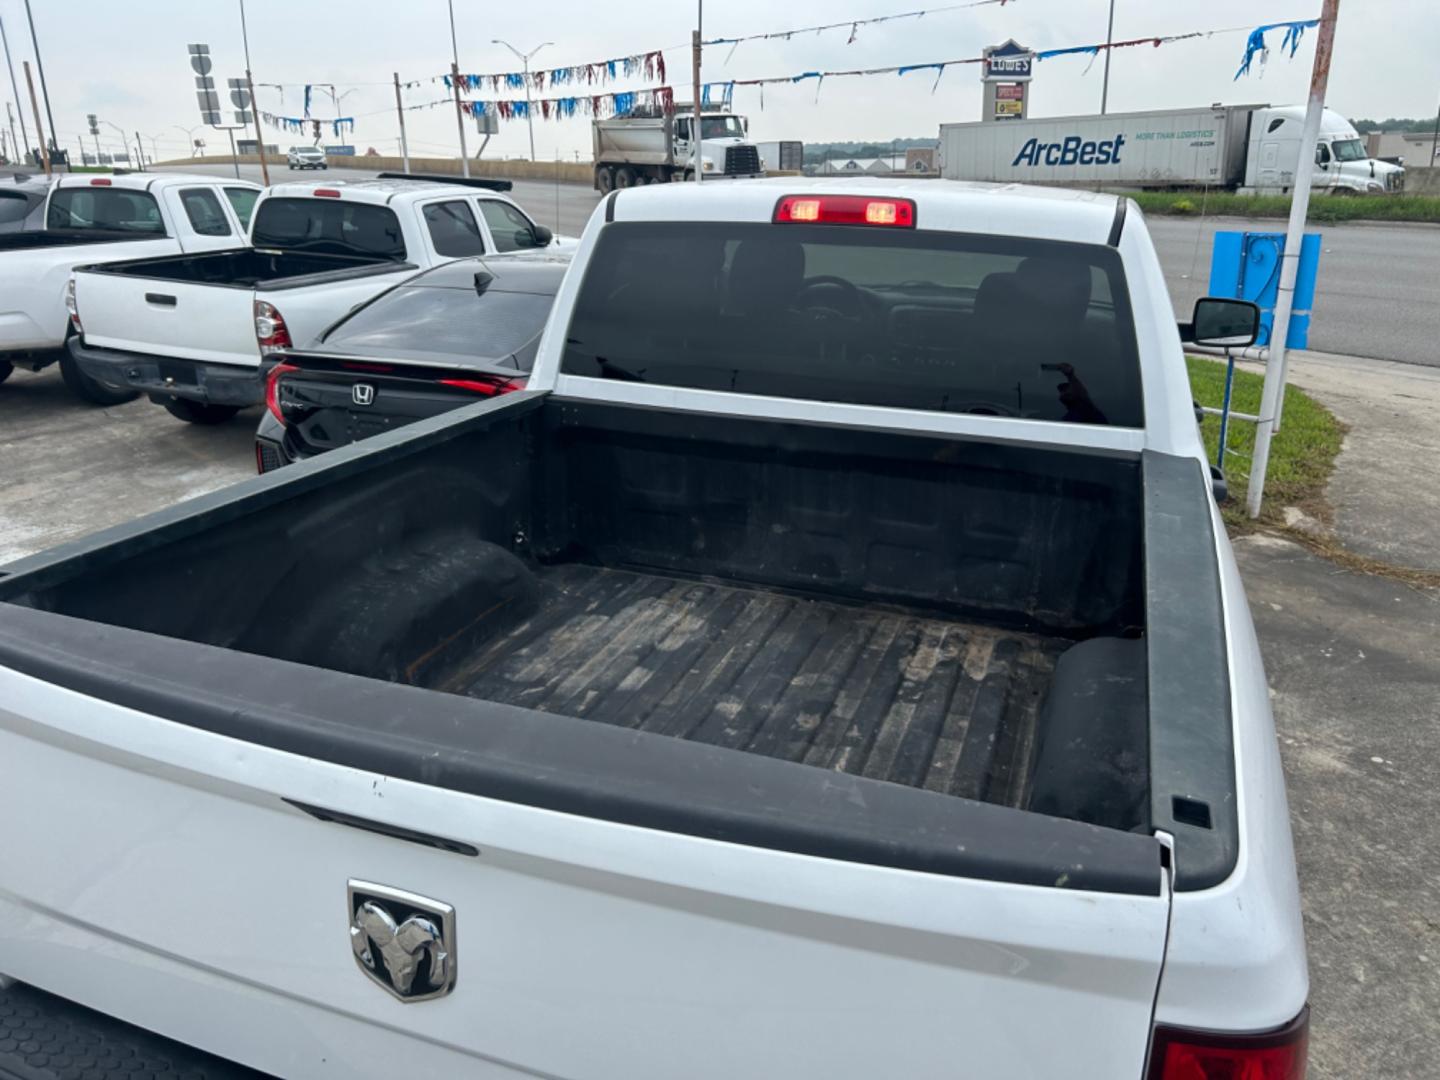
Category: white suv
[306,157]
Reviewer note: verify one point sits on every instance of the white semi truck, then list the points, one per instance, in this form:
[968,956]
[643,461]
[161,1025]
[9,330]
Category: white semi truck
[657,147]
[1250,148]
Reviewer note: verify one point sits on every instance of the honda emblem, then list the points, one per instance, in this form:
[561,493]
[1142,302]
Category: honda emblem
[362,394]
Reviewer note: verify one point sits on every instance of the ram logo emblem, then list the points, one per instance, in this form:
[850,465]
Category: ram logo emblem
[402,941]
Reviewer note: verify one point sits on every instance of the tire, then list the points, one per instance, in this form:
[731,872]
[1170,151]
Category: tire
[605,180]
[194,412]
[689,177]
[6,369]
[87,389]
[624,178]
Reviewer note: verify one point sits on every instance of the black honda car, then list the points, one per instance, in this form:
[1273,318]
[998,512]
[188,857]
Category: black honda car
[446,337]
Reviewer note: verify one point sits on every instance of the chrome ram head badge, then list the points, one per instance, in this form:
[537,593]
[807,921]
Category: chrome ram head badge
[404,942]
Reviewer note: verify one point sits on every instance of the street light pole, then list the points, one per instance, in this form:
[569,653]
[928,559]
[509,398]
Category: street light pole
[695,48]
[15,89]
[455,78]
[525,60]
[1109,37]
[1274,389]
[40,67]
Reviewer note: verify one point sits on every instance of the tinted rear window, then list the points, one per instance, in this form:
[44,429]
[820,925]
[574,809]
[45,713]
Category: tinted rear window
[329,226]
[422,322]
[14,206]
[934,321]
[104,208]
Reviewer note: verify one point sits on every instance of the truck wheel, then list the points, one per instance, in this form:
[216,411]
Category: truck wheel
[624,177]
[193,412]
[87,389]
[5,369]
[689,176]
[605,180]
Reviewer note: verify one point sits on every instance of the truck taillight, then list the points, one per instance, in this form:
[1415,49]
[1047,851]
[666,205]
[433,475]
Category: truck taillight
[845,210]
[270,329]
[484,387]
[272,389]
[72,307]
[1181,1054]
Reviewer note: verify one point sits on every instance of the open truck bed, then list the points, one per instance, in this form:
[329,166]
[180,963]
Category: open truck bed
[884,693]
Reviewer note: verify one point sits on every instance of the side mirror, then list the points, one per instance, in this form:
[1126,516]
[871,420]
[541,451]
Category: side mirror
[543,236]
[1223,322]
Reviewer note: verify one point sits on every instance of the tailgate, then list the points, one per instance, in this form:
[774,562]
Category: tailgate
[187,320]
[170,875]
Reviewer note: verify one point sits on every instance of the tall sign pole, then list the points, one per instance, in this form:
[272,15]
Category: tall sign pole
[35,105]
[455,81]
[1105,82]
[1274,389]
[240,118]
[15,89]
[695,48]
[44,89]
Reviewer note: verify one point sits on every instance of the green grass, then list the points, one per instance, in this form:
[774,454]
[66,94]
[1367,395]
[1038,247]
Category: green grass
[1302,456]
[1323,208]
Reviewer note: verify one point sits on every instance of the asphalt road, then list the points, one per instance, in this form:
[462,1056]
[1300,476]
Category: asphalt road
[1375,296]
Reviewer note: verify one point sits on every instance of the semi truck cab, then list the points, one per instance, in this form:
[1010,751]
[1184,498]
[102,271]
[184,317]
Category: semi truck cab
[1342,165]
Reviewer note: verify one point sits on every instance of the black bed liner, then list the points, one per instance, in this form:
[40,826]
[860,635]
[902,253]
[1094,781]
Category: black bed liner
[885,694]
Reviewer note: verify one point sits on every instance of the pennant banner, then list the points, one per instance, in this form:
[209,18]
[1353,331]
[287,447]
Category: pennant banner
[1294,31]
[651,102]
[649,65]
[340,125]
[853,25]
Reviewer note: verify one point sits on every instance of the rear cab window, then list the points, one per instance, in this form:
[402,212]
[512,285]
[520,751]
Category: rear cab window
[329,226]
[932,321]
[104,208]
[202,207]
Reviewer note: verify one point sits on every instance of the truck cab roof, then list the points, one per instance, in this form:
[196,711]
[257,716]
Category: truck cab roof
[379,191]
[1007,209]
[147,181]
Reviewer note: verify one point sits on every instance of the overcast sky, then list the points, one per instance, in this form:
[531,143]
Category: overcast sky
[127,61]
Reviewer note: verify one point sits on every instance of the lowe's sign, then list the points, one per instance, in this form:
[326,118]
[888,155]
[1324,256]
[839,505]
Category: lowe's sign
[1010,62]
[1071,150]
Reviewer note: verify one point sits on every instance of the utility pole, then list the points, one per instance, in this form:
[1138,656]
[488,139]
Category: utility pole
[10,115]
[400,112]
[695,72]
[1109,37]
[15,89]
[254,109]
[1435,138]
[141,148]
[35,105]
[40,66]
[1274,390]
[455,85]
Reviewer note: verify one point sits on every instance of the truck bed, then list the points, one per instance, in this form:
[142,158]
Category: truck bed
[934,703]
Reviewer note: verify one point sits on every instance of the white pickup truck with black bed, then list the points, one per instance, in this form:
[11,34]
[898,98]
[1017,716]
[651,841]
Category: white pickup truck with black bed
[832,664]
[190,331]
[85,220]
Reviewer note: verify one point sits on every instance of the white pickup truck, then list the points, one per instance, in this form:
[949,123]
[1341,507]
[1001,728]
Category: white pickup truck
[91,219]
[832,665]
[190,331]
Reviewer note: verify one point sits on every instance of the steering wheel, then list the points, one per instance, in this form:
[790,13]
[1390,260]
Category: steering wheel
[827,296]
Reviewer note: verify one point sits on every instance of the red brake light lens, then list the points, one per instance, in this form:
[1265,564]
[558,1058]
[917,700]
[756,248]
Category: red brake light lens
[326,193]
[272,389]
[270,330]
[845,210]
[1179,1054]
[100,182]
[484,387]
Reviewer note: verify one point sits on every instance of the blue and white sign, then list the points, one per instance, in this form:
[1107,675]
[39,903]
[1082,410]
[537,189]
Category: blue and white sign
[1009,62]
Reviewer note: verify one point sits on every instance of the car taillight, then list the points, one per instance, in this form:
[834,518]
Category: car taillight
[272,388]
[72,307]
[270,329]
[1181,1054]
[845,210]
[485,387]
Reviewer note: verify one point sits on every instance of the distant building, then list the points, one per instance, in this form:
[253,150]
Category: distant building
[920,159]
[1415,147]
